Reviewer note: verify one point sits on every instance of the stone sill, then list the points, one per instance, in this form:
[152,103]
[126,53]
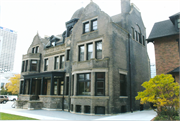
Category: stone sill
[90,97]
[89,32]
[51,96]
[123,96]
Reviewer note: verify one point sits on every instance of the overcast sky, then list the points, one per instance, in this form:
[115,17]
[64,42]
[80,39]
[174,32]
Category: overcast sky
[48,17]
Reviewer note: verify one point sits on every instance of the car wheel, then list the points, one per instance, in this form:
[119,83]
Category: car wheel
[4,102]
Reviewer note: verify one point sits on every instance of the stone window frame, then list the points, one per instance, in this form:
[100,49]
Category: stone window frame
[84,80]
[46,68]
[31,65]
[138,36]
[35,49]
[124,73]
[56,64]
[94,48]
[68,54]
[90,21]
[62,65]
[23,66]
[91,71]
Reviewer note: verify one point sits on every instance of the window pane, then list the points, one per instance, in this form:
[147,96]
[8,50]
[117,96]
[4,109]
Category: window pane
[87,89]
[100,92]
[56,62]
[100,76]
[33,65]
[100,84]
[86,27]
[90,51]
[61,89]
[94,25]
[62,62]
[81,52]
[99,50]
[81,77]
[81,88]
[88,76]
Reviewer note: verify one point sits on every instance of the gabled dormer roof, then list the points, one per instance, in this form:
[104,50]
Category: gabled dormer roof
[174,17]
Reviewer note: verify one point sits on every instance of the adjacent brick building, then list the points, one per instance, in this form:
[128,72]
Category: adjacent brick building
[96,66]
[165,36]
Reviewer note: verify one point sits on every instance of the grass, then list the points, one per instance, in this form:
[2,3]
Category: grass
[6,116]
[164,117]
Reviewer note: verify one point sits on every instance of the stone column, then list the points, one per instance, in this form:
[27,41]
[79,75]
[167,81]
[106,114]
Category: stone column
[85,52]
[30,89]
[75,84]
[42,81]
[24,86]
[29,65]
[92,83]
[82,109]
[106,84]
[52,85]
[94,50]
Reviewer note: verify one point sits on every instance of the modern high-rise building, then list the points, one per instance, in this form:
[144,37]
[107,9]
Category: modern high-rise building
[8,40]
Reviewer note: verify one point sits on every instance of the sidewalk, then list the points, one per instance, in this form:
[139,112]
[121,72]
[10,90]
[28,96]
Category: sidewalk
[145,115]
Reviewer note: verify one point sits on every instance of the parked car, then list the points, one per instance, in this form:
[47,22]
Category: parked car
[3,99]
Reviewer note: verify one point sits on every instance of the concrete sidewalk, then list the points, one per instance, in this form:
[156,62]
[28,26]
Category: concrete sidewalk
[145,115]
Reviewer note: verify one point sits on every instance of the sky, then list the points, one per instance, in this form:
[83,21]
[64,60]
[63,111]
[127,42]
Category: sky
[48,17]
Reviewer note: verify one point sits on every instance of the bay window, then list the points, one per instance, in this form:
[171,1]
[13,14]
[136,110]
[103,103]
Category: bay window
[84,84]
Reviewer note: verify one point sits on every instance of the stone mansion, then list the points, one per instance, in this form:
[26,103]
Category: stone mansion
[96,66]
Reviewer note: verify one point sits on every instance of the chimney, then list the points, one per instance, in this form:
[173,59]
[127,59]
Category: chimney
[125,6]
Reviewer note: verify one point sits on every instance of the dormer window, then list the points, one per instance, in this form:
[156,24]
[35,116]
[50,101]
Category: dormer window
[37,49]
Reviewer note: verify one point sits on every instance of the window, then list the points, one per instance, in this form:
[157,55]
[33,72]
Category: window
[99,110]
[140,40]
[94,25]
[33,65]
[78,108]
[99,50]
[26,65]
[81,53]
[56,63]
[72,85]
[67,86]
[89,51]
[55,87]
[123,86]
[87,109]
[46,65]
[84,84]
[123,109]
[86,27]
[100,84]
[37,49]
[23,66]
[133,35]
[33,50]
[68,55]
[136,36]
[62,62]
[61,87]
[179,23]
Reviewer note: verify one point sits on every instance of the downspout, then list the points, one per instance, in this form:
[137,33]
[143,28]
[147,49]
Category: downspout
[129,49]
[63,92]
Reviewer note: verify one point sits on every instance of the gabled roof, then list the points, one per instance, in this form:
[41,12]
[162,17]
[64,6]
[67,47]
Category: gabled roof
[176,70]
[161,29]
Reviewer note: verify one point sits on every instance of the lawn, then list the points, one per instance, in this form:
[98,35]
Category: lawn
[6,116]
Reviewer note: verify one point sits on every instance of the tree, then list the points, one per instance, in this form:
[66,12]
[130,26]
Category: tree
[13,85]
[163,92]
